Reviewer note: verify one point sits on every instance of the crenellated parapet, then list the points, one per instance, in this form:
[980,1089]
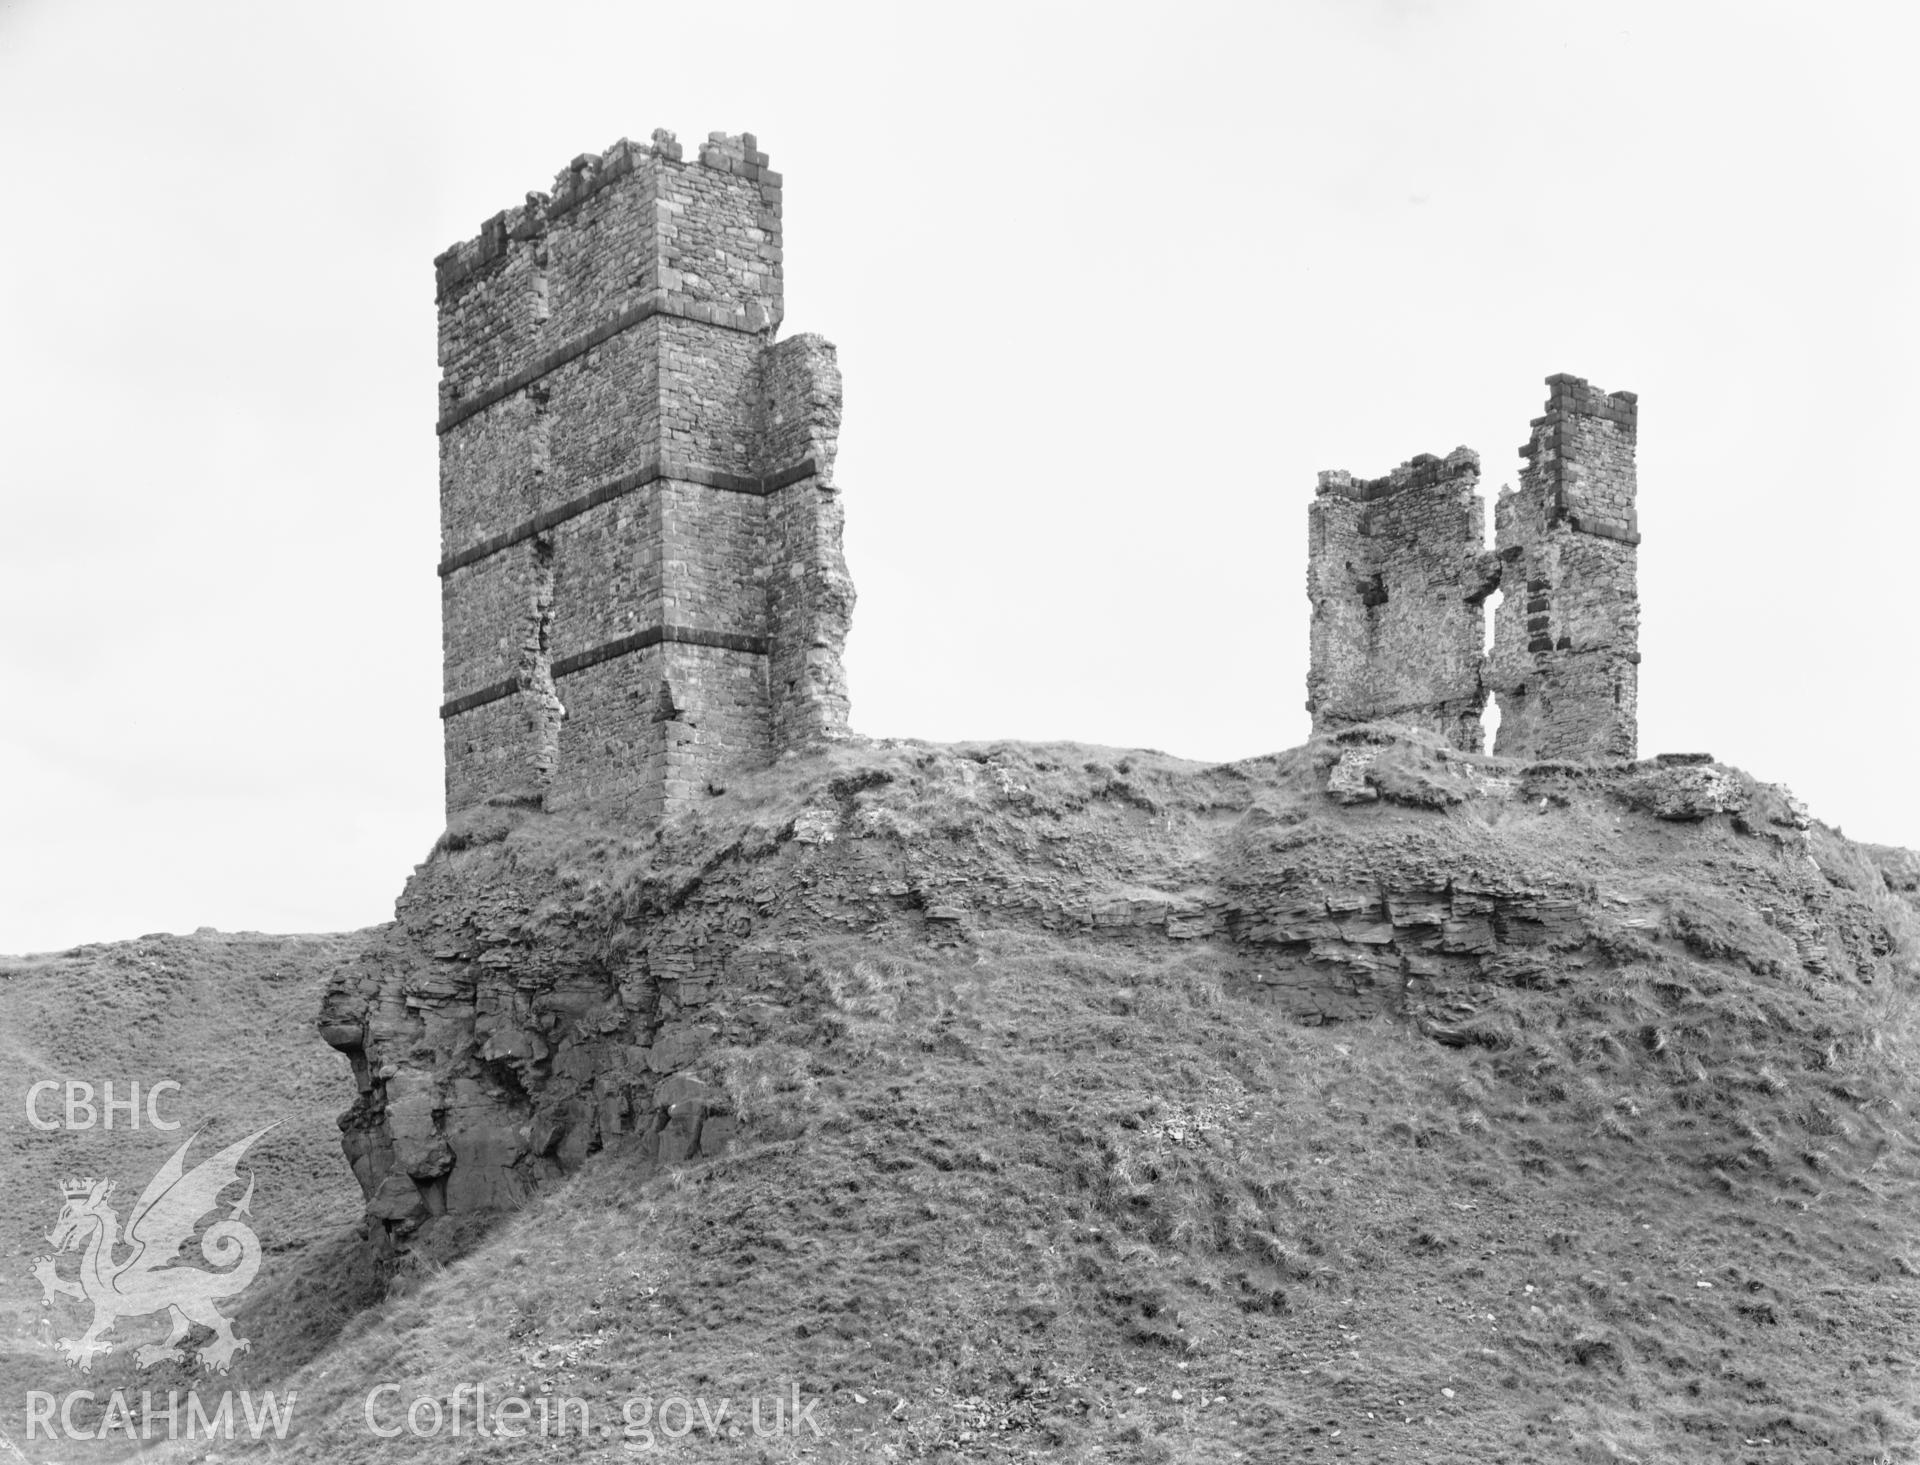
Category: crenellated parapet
[642,583]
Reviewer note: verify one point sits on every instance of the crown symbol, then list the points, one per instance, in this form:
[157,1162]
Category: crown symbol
[76,1188]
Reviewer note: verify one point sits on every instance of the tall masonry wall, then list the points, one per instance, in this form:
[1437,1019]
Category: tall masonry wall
[642,580]
[1398,577]
[1566,659]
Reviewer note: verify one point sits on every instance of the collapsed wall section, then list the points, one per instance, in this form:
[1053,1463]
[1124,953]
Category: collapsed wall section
[1565,664]
[641,568]
[1397,575]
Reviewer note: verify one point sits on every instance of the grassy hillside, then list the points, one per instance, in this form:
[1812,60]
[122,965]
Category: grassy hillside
[229,1018]
[1048,1167]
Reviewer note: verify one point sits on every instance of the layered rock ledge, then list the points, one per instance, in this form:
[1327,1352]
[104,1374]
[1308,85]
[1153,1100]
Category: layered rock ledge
[554,987]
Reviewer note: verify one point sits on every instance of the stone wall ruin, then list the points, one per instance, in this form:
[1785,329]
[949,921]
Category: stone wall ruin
[1566,659]
[1398,576]
[642,582]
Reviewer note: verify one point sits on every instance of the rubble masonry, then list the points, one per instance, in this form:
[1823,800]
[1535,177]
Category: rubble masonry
[642,582]
[1398,577]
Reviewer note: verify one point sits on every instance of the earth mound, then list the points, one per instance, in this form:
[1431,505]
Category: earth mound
[1020,1100]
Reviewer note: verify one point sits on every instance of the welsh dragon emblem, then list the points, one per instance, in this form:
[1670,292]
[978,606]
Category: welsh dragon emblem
[144,1282]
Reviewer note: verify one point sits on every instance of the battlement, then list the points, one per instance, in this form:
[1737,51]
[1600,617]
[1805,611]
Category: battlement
[576,184]
[628,235]
[1423,470]
[740,155]
[640,536]
[1399,581]
[1574,396]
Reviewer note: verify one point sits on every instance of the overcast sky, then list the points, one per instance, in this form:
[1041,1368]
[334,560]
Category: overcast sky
[1110,283]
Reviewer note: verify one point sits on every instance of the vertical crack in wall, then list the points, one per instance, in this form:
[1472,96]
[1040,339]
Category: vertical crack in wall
[1491,715]
[545,712]
[540,436]
[541,295]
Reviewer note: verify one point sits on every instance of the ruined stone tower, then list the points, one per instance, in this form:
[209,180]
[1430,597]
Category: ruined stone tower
[642,583]
[1566,659]
[1399,577]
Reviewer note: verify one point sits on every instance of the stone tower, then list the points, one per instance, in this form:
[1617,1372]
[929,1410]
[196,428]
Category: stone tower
[1566,659]
[1399,578]
[642,583]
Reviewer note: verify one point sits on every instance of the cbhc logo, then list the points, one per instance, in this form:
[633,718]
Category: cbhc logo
[82,1113]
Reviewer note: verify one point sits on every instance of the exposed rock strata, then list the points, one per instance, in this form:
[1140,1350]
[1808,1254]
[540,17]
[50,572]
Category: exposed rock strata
[551,990]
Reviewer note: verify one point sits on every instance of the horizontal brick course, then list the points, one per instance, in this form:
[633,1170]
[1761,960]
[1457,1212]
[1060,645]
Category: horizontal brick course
[627,483]
[699,311]
[626,645]
[642,581]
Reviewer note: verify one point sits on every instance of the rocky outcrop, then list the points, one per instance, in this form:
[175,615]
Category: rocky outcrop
[552,990]
[1899,870]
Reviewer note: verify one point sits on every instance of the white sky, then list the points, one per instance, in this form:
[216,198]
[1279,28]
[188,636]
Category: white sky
[1110,283]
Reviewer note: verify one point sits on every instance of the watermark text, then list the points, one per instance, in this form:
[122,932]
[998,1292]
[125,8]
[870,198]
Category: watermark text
[469,1411]
[52,1417]
[81,1112]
